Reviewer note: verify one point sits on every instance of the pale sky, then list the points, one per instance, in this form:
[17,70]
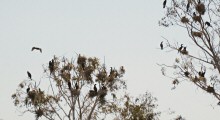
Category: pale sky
[126,32]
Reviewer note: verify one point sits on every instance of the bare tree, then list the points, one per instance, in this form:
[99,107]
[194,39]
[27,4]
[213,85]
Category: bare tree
[198,63]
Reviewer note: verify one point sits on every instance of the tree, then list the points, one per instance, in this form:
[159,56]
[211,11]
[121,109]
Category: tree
[78,90]
[201,65]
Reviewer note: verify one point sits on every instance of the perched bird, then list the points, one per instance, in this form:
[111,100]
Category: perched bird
[180,48]
[208,24]
[29,75]
[69,85]
[103,87]
[161,45]
[36,48]
[28,89]
[95,88]
[51,66]
[187,6]
[194,14]
[76,86]
[164,3]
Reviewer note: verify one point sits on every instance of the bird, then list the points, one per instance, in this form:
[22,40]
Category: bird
[69,85]
[76,86]
[28,89]
[187,6]
[161,45]
[194,14]
[29,75]
[208,24]
[95,88]
[51,66]
[164,3]
[180,48]
[36,48]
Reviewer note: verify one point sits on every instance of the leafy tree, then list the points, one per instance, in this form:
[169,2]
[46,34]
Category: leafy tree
[80,90]
[199,63]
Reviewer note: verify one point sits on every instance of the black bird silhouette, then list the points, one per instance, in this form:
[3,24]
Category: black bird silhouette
[95,88]
[51,66]
[180,48]
[164,3]
[36,48]
[187,6]
[76,86]
[69,85]
[194,14]
[28,89]
[161,45]
[208,24]
[29,75]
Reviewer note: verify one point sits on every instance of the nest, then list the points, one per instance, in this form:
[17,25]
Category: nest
[102,93]
[75,92]
[197,34]
[196,18]
[185,52]
[184,20]
[210,89]
[200,8]
[195,79]
[92,93]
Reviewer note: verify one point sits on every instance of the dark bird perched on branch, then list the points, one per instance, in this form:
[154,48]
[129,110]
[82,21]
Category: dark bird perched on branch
[180,48]
[28,89]
[29,75]
[69,85]
[208,24]
[95,88]
[51,66]
[36,48]
[76,86]
[164,3]
[161,45]
[187,6]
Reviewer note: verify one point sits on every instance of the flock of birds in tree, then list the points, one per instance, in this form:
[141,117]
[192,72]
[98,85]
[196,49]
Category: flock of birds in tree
[51,68]
[182,49]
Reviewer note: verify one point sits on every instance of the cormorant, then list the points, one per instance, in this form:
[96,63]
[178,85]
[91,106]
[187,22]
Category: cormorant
[161,45]
[29,75]
[194,14]
[180,48]
[95,88]
[36,48]
[28,89]
[69,85]
[51,65]
[208,24]
[187,6]
[103,87]
[76,86]
[164,3]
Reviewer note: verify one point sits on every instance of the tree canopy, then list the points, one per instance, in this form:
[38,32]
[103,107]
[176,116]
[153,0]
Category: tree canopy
[81,89]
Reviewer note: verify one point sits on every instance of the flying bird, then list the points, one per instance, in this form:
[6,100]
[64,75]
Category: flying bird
[161,45]
[164,3]
[36,48]
[29,75]
[95,88]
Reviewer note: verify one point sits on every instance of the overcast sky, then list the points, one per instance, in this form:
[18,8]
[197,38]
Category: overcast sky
[126,32]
